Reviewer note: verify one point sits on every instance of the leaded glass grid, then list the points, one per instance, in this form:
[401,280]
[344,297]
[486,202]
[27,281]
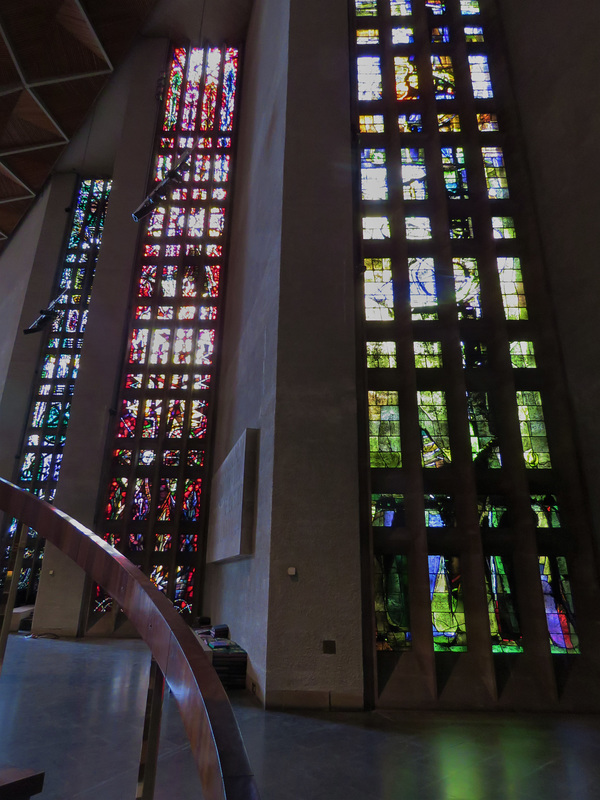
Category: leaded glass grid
[154,508]
[447,279]
[62,341]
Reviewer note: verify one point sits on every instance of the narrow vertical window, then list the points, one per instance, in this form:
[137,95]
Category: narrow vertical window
[379,292]
[443,77]
[533,430]
[495,173]
[407,80]
[558,601]
[414,182]
[484,439]
[374,175]
[433,421]
[466,288]
[384,429]
[455,173]
[511,286]
[504,622]
[423,293]
[392,616]
[155,506]
[447,606]
[369,78]
[480,77]
[63,331]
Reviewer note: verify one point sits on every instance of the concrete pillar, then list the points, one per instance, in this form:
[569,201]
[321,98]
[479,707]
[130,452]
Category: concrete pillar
[289,363]
[58,607]
[27,274]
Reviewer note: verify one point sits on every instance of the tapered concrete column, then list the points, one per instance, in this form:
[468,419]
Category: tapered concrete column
[289,363]
[27,274]
[58,607]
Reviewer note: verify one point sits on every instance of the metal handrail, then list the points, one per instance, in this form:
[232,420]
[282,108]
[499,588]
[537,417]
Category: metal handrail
[208,718]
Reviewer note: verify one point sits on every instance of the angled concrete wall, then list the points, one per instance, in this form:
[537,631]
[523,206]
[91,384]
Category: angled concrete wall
[237,592]
[554,63]
[289,364]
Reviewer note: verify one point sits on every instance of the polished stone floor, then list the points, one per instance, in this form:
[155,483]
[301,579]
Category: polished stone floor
[74,709]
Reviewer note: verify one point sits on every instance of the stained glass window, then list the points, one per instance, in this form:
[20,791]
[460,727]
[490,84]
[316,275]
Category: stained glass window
[407,80]
[410,123]
[381,355]
[376,228]
[466,288]
[493,511]
[379,293]
[366,8]
[418,227]
[474,353]
[533,430]
[443,77]
[374,175]
[433,422]
[487,122]
[402,36]
[545,509]
[414,181]
[428,355]
[384,429]
[474,34]
[444,287]
[495,173]
[447,605]
[369,78]
[155,504]
[392,614]
[387,510]
[401,8]
[440,35]
[423,294]
[558,602]
[511,286]
[455,173]
[461,227]
[436,6]
[522,355]
[371,123]
[469,6]
[448,123]
[503,228]
[484,439]
[504,622]
[46,431]
[368,36]
[439,511]
[480,77]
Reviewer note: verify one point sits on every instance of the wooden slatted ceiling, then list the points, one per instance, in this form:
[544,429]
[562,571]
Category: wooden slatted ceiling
[55,58]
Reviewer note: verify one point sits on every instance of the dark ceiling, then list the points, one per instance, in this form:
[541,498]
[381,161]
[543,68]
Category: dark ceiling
[55,58]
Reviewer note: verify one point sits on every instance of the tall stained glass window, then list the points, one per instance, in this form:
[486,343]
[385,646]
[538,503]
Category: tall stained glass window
[456,401]
[154,506]
[62,340]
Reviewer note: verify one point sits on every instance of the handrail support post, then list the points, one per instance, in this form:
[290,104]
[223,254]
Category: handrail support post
[11,584]
[151,735]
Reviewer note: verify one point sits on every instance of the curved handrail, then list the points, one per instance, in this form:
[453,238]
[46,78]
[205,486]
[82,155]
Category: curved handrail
[215,739]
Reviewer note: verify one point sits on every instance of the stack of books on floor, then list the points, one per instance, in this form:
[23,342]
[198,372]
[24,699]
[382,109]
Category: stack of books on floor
[228,658]
[230,662]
